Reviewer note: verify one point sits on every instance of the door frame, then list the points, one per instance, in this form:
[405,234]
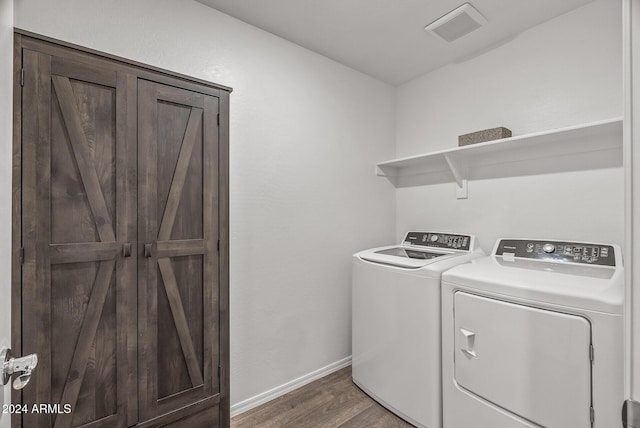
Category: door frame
[632,213]
[22,39]
[631,147]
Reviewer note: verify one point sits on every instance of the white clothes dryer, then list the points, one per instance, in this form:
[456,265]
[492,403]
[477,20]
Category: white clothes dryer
[396,332]
[533,337]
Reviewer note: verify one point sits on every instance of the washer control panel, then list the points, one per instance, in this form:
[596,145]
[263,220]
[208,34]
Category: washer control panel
[438,240]
[560,251]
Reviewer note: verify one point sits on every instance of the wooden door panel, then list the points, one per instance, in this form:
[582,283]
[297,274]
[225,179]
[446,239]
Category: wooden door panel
[71,284]
[72,220]
[178,310]
[179,172]
[97,397]
[82,141]
[172,125]
[180,315]
[77,310]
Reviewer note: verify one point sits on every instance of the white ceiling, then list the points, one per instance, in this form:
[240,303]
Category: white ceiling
[386,38]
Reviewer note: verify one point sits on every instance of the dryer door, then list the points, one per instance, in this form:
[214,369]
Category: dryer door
[532,362]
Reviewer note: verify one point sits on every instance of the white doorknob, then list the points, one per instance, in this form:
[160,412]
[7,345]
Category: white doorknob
[23,366]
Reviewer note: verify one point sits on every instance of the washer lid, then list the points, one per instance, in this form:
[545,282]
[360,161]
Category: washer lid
[401,256]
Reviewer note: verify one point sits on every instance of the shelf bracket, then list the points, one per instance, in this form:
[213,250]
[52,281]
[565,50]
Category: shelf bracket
[390,173]
[456,169]
[461,183]
[380,171]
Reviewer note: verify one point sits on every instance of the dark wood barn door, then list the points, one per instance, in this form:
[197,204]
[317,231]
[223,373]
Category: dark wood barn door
[121,226]
[178,275]
[79,214]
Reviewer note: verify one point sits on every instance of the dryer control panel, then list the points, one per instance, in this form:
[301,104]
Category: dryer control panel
[558,251]
[438,240]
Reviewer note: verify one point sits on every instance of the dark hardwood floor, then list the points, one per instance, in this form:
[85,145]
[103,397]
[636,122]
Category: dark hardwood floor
[333,401]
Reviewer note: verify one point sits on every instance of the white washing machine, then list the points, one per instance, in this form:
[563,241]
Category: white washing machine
[533,337]
[396,322]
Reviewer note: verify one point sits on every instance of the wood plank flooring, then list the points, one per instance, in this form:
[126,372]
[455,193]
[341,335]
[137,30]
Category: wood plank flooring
[332,401]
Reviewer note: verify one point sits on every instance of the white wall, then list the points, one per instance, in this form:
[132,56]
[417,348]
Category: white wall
[564,72]
[305,134]
[6,118]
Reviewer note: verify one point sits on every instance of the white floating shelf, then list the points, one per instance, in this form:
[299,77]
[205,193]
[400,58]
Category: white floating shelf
[586,146]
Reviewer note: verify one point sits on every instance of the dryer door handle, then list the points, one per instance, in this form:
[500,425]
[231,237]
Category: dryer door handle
[469,348]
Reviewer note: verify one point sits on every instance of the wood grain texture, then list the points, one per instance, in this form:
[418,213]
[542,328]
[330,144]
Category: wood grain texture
[208,406]
[16,221]
[35,199]
[83,252]
[185,98]
[86,174]
[331,402]
[86,339]
[180,247]
[81,146]
[73,313]
[147,272]
[85,72]
[177,135]
[180,319]
[180,174]
[126,231]
[93,112]
[223,255]
[210,229]
[203,419]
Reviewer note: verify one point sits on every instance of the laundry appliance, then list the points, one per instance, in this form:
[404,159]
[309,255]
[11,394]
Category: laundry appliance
[396,332]
[533,337]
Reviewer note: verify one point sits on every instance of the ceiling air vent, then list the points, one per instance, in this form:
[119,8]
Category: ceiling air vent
[457,23]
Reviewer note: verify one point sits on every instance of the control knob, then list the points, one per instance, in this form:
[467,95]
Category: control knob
[548,248]
[434,238]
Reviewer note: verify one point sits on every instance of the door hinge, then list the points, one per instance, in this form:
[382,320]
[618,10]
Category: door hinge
[21,255]
[22,77]
[218,119]
[592,415]
[218,246]
[218,373]
[591,353]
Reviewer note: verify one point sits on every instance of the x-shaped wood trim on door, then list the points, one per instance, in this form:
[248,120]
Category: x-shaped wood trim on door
[164,239]
[104,226]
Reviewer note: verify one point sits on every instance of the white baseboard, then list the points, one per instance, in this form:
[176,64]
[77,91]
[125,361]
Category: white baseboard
[279,391]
